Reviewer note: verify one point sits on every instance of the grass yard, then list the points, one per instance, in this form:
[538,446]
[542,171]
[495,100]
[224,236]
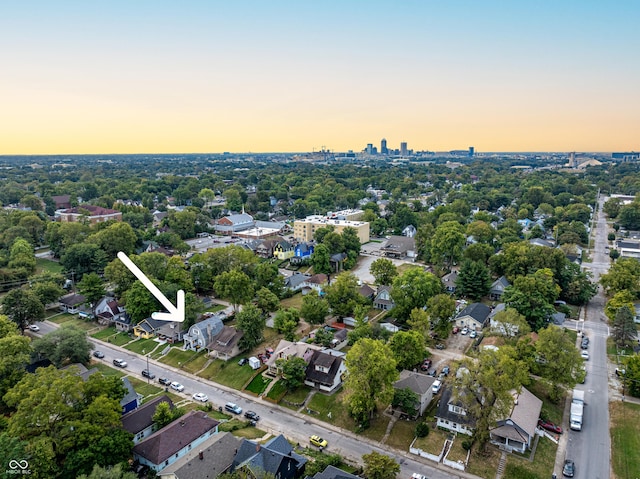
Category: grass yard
[142,346]
[298,395]
[231,425]
[78,323]
[401,435]
[43,264]
[625,441]
[519,467]
[179,358]
[277,391]
[551,411]
[432,442]
[105,333]
[294,301]
[457,453]
[258,384]
[406,266]
[228,373]
[249,432]
[119,339]
[325,404]
[107,370]
[485,464]
[144,388]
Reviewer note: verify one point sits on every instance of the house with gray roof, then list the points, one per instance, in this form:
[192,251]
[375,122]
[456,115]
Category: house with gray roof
[497,288]
[383,299]
[72,303]
[200,334]
[166,446]
[332,472]
[399,247]
[449,281]
[131,399]
[516,432]
[325,370]
[232,224]
[139,422]
[475,316]
[276,457]
[295,281]
[452,416]
[211,458]
[419,384]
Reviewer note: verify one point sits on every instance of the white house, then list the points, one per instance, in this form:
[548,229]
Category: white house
[200,334]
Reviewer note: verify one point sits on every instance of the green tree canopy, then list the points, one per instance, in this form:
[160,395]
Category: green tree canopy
[293,371]
[251,322]
[235,286]
[412,289]
[474,280]
[314,308]
[408,348]
[624,327]
[383,271]
[65,345]
[533,297]
[380,466]
[23,307]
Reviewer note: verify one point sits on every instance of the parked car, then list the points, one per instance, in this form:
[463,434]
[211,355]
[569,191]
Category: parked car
[200,397]
[455,330]
[473,334]
[251,415]
[121,363]
[426,364]
[569,468]
[465,330]
[98,354]
[415,475]
[234,408]
[177,386]
[432,372]
[435,388]
[549,426]
[318,441]
[585,343]
[440,346]
[34,327]
[445,370]
[243,361]
[148,374]
[585,355]
[165,381]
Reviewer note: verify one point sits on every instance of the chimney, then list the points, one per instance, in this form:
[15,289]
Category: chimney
[257,447]
[200,455]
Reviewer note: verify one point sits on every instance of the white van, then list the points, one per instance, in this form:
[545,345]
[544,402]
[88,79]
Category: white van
[437,384]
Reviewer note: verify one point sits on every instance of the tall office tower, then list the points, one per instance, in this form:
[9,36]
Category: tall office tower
[472,151]
[572,160]
[369,148]
[403,148]
[383,147]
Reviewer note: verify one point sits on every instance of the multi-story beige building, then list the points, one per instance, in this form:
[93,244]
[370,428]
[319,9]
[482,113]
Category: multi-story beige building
[89,213]
[303,230]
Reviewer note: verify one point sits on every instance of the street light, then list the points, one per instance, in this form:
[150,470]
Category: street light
[148,373]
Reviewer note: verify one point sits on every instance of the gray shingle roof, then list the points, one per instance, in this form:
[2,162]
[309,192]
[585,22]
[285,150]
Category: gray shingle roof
[141,418]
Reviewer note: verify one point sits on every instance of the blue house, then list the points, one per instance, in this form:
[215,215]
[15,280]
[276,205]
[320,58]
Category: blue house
[303,250]
[131,399]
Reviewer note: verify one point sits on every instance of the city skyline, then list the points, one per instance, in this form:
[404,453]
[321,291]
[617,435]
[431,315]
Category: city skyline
[209,76]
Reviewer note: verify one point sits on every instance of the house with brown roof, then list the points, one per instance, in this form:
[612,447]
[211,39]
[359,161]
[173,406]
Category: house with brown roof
[325,370]
[61,201]
[90,213]
[225,344]
[173,441]
[108,311]
[287,349]
[317,282]
[516,432]
[139,422]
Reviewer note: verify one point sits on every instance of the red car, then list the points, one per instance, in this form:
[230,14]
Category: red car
[549,426]
[456,330]
[426,365]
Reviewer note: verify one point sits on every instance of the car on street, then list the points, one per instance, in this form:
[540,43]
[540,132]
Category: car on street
[165,381]
[98,354]
[585,343]
[177,386]
[34,327]
[569,468]
[433,372]
[318,441]
[234,408]
[148,374]
[200,397]
[415,475]
[121,363]
[585,355]
[252,416]
[549,426]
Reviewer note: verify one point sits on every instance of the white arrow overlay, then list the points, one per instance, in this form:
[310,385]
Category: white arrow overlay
[176,313]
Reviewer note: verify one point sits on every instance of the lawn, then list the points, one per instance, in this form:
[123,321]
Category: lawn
[457,453]
[249,432]
[485,464]
[294,301]
[231,425]
[43,264]
[296,396]
[401,435]
[519,467]
[119,339]
[258,384]
[77,323]
[625,441]
[142,346]
[432,442]
[144,388]
[107,370]
[228,373]
[179,358]
[277,391]
[105,333]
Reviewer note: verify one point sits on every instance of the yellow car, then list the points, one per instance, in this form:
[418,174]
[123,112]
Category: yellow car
[318,441]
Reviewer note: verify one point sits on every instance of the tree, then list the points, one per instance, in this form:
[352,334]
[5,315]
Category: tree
[624,327]
[558,360]
[351,240]
[407,401]
[47,292]
[412,289]
[22,256]
[23,307]
[342,295]
[165,415]
[420,321]
[579,289]
[619,300]
[92,288]
[267,276]
[447,243]
[320,259]
[481,231]
[65,345]
[84,258]
[632,375]
[510,323]
[440,309]
[293,370]
[314,308]
[286,322]
[109,472]
[321,462]
[266,300]
[251,322]
[384,271]
[624,274]
[139,301]
[15,352]
[183,223]
[533,297]
[380,466]
[484,385]
[369,383]
[116,237]
[235,286]
[474,280]
[407,348]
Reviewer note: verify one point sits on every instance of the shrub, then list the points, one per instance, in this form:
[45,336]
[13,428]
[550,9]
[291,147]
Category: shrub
[466,444]
[422,429]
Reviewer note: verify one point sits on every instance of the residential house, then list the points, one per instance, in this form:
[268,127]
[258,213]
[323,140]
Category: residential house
[275,457]
[475,316]
[266,248]
[628,248]
[332,472]
[418,383]
[337,261]
[383,299]
[399,247]
[200,334]
[72,303]
[409,231]
[109,311]
[211,458]
[131,399]
[452,416]
[166,446]
[158,216]
[497,288]
[366,291]
[449,281]
[325,370]
[61,202]
[288,349]
[147,328]
[516,432]
[225,344]
[139,422]
[295,282]
[303,251]
[90,213]
[317,282]
[542,242]
[283,250]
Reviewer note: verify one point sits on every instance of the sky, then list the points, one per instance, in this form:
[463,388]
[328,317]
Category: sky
[142,76]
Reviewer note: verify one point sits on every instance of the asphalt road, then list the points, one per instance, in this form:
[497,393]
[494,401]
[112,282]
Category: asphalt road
[590,448]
